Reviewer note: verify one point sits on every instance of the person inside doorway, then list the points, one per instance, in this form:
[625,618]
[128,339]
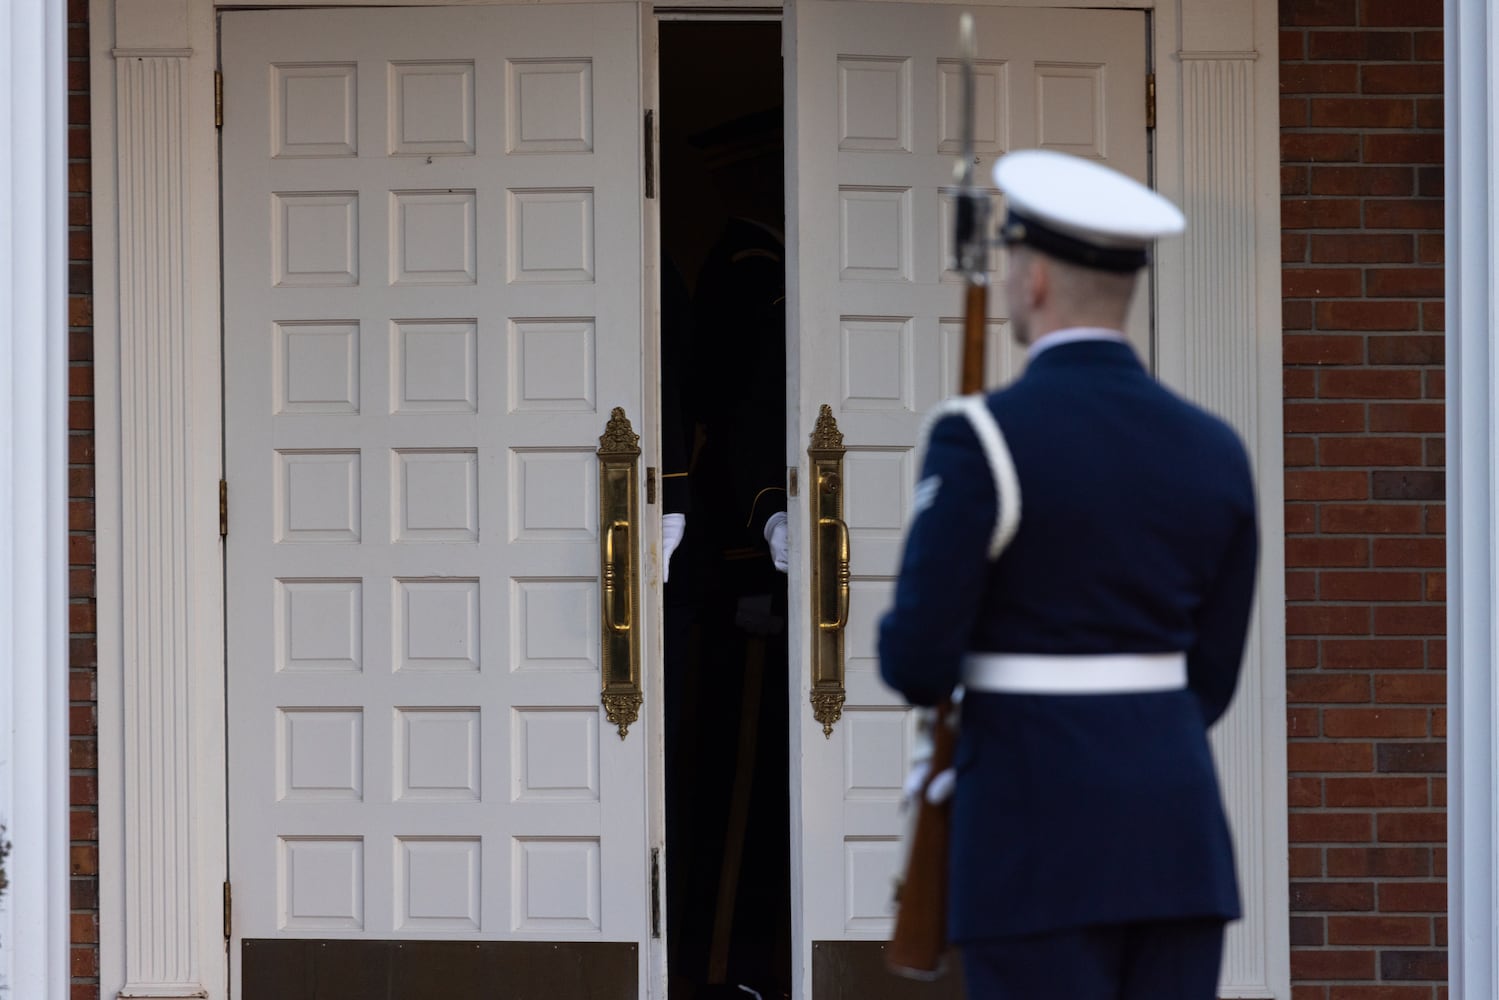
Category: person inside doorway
[724,401]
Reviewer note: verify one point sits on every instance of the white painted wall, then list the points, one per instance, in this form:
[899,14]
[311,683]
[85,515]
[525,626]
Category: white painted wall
[33,498]
[1472,114]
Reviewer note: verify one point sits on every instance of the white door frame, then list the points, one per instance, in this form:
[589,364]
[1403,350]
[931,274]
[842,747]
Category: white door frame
[34,945]
[158,434]
[1472,74]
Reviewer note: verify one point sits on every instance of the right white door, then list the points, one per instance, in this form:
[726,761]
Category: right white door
[876,314]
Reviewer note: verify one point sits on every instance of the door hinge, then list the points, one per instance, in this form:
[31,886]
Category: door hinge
[650,154]
[223,508]
[655,892]
[650,484]
[218,99]
[1149,101]
[228,912]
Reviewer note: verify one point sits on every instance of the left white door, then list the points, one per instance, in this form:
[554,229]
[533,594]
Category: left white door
[433,234]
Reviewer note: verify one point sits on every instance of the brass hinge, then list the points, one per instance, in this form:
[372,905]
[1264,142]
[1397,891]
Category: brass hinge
[650,484]
[650,154]
[1150,101]
[228,912]
[655,892]
[223,508]
[218,99]
[791,480]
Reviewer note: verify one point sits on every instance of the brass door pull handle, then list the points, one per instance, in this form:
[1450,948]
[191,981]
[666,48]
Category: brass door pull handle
[830,570]
[619,581]
[613,574]
[837,575]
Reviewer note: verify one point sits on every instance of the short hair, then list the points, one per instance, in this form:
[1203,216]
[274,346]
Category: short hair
[1090,290]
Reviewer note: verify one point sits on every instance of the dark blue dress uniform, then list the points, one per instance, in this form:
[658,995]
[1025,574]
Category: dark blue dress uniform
[1137,534]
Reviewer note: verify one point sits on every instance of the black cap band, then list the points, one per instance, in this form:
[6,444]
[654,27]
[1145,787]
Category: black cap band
[1019,228]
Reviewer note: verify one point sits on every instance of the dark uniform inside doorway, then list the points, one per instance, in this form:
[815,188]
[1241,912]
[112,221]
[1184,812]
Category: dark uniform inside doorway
[723,401]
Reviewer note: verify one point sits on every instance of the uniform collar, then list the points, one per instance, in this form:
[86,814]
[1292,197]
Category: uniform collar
[1073,335]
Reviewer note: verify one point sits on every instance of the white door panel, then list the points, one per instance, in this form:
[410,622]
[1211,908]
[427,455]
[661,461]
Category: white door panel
[878,316]
[433,299]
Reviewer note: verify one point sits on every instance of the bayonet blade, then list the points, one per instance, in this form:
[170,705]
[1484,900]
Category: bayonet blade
[971,215]
[968,49]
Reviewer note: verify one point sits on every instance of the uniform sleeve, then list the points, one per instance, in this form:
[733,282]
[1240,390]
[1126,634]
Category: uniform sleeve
[678,424]
[1214,661]
[944,569]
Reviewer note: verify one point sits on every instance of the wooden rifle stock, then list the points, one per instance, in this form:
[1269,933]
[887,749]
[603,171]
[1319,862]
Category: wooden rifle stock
[975,315]
[919,942]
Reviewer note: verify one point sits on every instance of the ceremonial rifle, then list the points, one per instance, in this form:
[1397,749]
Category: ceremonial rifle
[917,947]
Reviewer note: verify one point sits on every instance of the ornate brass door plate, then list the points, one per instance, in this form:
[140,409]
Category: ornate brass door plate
[830,572]
[619,575]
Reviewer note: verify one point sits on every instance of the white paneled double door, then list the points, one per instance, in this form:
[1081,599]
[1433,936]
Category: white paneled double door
[434,228]
[433,302]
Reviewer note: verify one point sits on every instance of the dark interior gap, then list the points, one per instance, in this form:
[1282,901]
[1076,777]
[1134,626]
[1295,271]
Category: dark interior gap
[723,406]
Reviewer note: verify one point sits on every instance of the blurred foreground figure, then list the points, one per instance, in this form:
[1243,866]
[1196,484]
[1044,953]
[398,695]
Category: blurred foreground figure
[1096,641]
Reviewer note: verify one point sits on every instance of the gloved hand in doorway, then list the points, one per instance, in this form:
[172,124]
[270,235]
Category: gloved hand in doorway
[775,537]
[672,528]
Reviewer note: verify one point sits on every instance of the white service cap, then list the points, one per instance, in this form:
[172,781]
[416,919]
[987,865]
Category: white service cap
[1082,211]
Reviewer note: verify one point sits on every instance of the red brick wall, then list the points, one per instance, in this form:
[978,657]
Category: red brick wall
[1361,153]
[83,657]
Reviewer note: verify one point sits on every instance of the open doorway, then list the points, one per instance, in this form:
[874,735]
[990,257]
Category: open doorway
[723,402]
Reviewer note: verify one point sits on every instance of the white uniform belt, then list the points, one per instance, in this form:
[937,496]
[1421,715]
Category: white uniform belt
[1105,673]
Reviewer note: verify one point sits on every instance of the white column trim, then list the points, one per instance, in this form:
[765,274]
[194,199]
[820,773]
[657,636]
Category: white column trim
[1472,114]
[34,921]
[160,577]
[157,469]
[1224,330]
[1220,344]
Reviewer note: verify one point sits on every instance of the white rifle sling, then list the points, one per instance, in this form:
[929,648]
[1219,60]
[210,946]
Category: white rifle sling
[996,453]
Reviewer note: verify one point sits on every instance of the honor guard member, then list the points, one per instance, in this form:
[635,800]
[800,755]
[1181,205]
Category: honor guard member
[1090,855]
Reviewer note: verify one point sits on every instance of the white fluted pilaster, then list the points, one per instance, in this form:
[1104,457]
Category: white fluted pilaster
[1218,176]
[156,471]
[1223,353]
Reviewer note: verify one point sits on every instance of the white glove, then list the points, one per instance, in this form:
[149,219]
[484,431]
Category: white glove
[672,528]
[775,537]
[938,790]
[915,781]
[941,788]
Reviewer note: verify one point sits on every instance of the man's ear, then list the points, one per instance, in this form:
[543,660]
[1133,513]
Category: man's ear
[1038,282]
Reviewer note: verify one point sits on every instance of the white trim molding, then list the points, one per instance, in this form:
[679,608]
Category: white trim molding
[1226,333]
[34,922]
[1472,115]
[157,468]
[160,578]
[1220,344]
